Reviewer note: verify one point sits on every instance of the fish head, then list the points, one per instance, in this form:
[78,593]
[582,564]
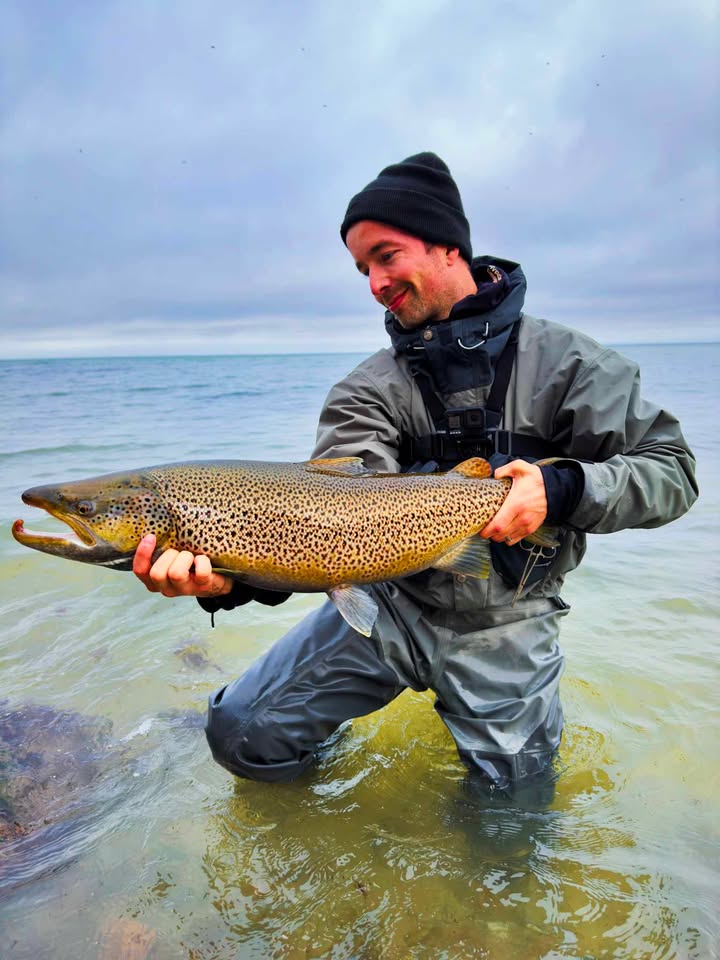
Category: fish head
[107,516]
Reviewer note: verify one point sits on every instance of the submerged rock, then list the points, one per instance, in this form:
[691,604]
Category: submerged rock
[123,938]
[195,656]
[49,759]
[64,779]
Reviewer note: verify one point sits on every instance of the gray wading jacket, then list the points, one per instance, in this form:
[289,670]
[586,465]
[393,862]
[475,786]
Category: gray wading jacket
[565,388]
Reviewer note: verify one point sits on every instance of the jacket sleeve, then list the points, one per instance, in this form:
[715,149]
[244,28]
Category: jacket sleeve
[358,420]
[639,470]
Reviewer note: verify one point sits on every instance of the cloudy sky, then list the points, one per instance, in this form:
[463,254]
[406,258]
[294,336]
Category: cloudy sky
[174,174]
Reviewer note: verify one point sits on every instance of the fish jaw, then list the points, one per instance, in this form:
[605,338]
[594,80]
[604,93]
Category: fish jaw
[75,545]
[71,546]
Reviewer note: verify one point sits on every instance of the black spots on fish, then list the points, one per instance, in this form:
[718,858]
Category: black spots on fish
[282,523]
[189,538]
[128,512]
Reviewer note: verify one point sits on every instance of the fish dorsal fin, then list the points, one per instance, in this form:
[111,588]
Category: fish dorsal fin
[475,467]
[470,557]
[356,606]
[338,466]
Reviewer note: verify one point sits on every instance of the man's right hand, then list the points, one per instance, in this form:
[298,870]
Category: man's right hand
[178,573]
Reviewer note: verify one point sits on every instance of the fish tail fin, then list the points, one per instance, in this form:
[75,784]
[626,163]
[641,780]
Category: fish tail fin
[470,557]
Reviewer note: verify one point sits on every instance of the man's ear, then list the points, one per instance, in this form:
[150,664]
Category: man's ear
[451,255]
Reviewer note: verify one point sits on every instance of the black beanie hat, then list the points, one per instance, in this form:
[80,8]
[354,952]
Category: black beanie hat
[418,196]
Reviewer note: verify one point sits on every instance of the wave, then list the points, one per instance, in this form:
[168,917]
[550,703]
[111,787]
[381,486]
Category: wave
[183,388]
[237,393]
[8,455]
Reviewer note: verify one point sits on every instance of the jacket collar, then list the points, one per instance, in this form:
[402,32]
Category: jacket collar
[460,352]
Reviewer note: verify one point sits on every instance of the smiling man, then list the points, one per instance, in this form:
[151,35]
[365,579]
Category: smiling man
[468,373]
[417,282]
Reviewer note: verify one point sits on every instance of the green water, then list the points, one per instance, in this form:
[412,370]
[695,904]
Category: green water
[376,853]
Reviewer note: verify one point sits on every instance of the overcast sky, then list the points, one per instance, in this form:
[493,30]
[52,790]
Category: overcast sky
[174,174]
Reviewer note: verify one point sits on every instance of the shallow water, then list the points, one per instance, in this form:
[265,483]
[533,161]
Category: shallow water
[379,853]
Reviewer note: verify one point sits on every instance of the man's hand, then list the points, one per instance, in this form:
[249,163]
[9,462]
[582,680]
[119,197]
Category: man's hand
[525,507]
[177,573]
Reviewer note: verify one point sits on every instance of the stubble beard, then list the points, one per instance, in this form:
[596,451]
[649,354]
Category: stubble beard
[414,312]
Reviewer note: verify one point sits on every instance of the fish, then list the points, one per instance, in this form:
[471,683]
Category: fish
[323,525]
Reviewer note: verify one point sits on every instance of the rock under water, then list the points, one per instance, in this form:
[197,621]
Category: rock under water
[49,761]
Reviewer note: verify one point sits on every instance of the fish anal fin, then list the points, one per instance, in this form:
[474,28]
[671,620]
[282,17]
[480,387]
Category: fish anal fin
[357,607]
[546,535]
[470,557]
[476,468]
[348,466]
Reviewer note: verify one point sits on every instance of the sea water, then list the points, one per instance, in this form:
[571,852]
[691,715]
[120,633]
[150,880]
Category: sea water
[374,853]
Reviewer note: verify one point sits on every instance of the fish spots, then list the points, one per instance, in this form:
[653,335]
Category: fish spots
[284,525]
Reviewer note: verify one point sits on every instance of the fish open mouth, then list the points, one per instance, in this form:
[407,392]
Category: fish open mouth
[31,538]
[78,544]
[79,537]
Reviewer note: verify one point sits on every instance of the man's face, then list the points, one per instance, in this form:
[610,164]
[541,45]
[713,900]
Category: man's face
[407,276]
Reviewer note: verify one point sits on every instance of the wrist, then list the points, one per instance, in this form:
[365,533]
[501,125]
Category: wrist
[564,485]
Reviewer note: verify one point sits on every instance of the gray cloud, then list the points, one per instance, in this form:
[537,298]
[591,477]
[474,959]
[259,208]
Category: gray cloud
[174,178]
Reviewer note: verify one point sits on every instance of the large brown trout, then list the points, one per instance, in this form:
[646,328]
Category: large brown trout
[324,525]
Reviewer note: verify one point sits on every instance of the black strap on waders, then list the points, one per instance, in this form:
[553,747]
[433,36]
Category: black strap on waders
[472,431]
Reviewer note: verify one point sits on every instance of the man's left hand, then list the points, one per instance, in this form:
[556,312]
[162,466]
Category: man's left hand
[525,506]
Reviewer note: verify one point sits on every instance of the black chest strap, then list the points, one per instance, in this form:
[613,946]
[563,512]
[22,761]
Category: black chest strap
[472,431]
[503,371]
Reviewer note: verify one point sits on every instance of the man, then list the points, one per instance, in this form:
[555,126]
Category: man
[468,373]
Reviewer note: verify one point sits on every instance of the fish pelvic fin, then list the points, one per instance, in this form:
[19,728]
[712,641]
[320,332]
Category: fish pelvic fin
[357,607]
[338,466]
[470,557]
[476,468]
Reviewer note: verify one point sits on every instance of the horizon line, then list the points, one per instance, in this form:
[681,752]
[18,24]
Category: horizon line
[305,353]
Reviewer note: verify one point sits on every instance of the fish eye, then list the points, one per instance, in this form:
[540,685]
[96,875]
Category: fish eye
[86,508]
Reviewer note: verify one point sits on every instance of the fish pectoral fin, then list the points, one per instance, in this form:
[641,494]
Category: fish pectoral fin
[546,535]
[357,607]
[343,466]
[470,557]
[476,468]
